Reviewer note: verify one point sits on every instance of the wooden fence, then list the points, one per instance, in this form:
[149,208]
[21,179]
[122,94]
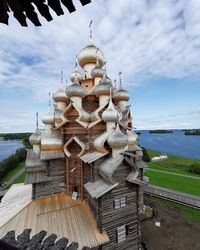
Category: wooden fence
[172,195]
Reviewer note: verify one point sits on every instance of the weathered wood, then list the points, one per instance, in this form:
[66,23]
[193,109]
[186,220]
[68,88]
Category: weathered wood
[60,215]
[180,197]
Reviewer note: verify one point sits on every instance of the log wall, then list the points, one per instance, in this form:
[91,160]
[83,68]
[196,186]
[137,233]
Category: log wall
[57,170]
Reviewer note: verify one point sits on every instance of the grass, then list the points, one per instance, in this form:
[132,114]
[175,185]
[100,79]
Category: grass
[173,169]
[13,172]
[179,183]
[20,179]
[187,212]
[173,164]
[173,160]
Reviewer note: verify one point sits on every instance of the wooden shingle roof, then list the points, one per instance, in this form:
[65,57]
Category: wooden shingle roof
[23,9]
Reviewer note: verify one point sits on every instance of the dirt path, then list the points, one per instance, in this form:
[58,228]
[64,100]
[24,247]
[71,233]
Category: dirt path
[167,172]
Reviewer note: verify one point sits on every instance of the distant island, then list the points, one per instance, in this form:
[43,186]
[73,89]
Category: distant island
[14,136]
[24,137]
[192,132]
[160,131]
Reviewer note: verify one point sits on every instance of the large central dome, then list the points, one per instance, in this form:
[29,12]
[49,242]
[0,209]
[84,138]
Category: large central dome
[89,54]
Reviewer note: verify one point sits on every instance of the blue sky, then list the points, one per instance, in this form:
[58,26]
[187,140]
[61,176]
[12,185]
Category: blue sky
[155,43]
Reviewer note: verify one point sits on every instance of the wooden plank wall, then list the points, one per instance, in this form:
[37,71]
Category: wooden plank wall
[57,170]
[112,218]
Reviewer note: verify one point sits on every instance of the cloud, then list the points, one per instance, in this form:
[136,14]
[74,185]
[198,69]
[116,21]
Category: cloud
[143,39]
[181,120]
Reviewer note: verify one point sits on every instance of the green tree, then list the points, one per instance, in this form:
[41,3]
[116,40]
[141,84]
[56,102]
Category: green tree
[194,168]
[146,156]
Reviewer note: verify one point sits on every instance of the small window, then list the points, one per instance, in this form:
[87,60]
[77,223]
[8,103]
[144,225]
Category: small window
[121,234]
[119,202]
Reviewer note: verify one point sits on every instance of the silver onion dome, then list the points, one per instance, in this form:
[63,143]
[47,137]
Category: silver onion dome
[48,117]
[121,95]
[110,114]
[76,73]
[60,94]
[118,139]
[76,89]
[97,72]
[89,55]
[35,138]
[103,88]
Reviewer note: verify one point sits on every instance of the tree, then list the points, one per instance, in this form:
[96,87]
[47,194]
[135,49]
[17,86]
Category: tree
[194,168]
[146,156]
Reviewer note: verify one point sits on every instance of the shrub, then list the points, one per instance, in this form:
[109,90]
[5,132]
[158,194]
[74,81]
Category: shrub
[194,168]
[21,154]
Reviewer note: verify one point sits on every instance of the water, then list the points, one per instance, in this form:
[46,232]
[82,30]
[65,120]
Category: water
[8,147]
[176,143]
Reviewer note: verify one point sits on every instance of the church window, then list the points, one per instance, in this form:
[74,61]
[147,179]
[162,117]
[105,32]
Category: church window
[119,202]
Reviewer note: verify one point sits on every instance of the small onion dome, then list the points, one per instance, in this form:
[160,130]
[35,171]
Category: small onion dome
[110,114]
[97,72]
[48,118]
[74,74]
[103,88]
[60,95]
[35,138]
[121,95]
[89,55]
[75,89]
[132,137]
[118,139]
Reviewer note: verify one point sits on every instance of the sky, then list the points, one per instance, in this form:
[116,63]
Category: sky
[155,43]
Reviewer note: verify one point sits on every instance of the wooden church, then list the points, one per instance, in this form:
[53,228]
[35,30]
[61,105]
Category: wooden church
[85,172]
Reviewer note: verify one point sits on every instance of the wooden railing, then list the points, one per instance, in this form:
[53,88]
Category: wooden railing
[172,195]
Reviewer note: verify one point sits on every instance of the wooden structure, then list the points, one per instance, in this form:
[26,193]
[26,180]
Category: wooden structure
[49,213]
[172,195]
[23,9]
[85,168]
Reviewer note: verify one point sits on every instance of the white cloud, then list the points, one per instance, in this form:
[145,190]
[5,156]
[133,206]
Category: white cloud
[144,39]
[187,119]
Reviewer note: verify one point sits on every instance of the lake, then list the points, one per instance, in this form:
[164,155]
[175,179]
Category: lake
[176,143]
[9,147]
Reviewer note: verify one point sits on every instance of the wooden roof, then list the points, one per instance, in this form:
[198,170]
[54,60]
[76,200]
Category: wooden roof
[57,214]
[23,9]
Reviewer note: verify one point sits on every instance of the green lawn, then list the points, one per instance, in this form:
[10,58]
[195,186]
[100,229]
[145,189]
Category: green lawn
[173,164]
[179,183]
[173,160]
[13,172]
[21,178]
[173,169]
[187,212]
